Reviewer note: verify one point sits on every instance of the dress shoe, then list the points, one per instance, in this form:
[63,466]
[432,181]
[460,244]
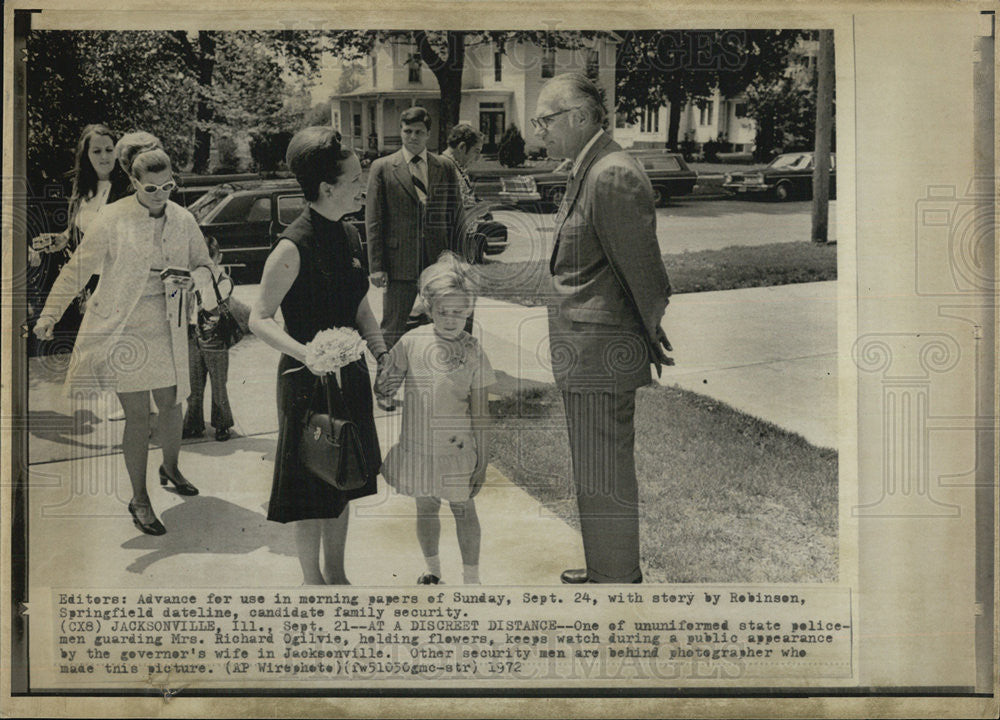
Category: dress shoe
[180,483]
[154,527]
[579,576]
[223,434]
[428,579]
[189,433]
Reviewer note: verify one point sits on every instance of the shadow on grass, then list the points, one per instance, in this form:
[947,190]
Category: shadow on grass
[725,497]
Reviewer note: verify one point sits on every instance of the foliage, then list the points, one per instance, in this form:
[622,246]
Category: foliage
[183,87]
[352,76]
[511,150]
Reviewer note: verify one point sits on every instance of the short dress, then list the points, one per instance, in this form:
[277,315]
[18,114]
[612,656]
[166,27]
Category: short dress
[147,336]
[436,453]
[327,292]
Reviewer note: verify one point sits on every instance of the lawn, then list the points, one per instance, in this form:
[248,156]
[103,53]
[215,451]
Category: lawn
[725,497]
[529,283]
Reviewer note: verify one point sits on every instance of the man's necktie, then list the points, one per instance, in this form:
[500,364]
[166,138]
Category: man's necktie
[416,170]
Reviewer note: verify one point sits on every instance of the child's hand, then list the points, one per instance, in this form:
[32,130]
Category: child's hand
[478,478]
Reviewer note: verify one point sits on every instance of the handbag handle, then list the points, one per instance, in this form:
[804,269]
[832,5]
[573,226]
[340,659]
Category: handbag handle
[336,406]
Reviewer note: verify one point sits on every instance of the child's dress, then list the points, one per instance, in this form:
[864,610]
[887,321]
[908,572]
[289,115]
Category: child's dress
[436,452]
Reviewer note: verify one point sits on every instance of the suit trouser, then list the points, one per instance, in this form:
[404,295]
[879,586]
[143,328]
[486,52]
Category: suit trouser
[396,306]
[602,444]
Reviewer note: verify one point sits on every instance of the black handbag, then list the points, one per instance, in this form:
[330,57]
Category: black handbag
[219,330]
[330,446]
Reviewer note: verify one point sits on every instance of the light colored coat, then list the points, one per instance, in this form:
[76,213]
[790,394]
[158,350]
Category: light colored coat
[608,274]
[113,249]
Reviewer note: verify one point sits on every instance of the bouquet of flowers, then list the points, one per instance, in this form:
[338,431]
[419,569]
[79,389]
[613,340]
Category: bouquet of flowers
[334,348]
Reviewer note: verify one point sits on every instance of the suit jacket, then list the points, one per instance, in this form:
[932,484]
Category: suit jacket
[610,283]
[112,249]
[399,225]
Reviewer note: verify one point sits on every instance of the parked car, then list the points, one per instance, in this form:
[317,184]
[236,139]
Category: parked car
[247,217]
[668,173]
[788,176]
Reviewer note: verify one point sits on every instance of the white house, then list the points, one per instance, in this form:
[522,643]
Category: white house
[498,89]
[709,119]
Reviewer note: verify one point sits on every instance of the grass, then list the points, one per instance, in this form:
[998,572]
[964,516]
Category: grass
[529,283]
[724,496]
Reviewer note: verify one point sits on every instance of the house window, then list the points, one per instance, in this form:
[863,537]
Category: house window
[593,64]
[706,113]
[650,120]
[498,66]
[357,125]
[335,120]
[374,71]
[414,65]
[740,110]
[548,62]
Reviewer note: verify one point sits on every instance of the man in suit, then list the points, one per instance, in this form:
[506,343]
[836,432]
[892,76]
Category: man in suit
[413,213]
[611,290]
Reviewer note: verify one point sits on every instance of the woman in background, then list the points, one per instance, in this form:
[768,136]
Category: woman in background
[98,180]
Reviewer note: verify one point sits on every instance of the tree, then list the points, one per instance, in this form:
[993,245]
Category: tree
[444,52]
[352,75]
[657,67]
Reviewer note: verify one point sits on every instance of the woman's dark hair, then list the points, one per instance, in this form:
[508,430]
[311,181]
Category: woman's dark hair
[314,155]
[84,176]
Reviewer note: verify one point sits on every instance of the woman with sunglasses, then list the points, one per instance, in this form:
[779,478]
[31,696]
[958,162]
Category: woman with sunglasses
[133,339]
[97,181]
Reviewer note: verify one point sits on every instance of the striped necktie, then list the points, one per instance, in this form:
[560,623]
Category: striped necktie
[416,170]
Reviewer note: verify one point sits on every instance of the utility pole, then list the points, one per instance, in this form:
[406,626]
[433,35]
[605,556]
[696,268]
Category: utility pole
[824,127]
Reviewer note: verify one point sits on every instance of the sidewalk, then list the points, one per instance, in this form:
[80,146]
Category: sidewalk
[767,351]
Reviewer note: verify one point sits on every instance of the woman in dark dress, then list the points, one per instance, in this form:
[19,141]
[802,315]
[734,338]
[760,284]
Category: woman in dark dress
[315,274]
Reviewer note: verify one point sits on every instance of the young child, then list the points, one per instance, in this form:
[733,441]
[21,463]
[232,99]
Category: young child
[209,359]
[443,450]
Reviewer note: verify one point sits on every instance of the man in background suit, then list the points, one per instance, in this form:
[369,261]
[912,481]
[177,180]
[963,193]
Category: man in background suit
[604,327]
[413,213]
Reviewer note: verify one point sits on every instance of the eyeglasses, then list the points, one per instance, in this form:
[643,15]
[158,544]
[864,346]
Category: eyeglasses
[542,122]
[168,186]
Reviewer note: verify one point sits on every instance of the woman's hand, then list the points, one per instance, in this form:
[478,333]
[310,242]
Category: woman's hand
[43,328]
[59,241]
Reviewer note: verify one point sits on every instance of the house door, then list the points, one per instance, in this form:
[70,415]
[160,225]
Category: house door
[491,124]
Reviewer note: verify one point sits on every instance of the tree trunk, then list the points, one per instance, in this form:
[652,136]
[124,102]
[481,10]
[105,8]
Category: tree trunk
[824,124]
[202,133]
[448,71]
[674,125]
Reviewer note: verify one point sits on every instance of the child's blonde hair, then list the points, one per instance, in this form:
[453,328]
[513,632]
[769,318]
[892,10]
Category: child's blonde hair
[450,275]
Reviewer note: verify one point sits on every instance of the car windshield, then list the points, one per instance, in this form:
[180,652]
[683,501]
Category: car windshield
[201,207]
[795,161]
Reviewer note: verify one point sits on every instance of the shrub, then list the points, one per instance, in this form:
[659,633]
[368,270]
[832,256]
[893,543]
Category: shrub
[511,151]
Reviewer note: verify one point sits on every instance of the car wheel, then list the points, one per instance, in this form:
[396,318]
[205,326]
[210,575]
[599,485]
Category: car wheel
[782,192]
[659,195]
[556,196]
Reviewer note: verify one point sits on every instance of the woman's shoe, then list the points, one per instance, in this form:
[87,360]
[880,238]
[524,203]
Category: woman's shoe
[223,434]
[187,433]
[181,484]
[154,527]
[428,579]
